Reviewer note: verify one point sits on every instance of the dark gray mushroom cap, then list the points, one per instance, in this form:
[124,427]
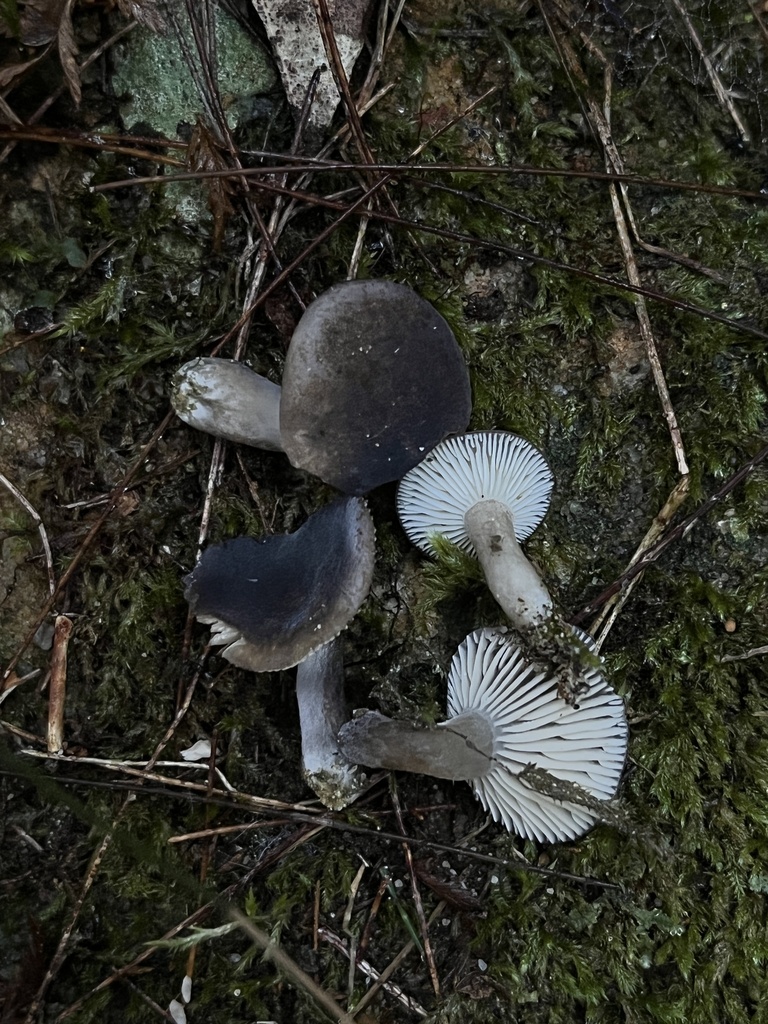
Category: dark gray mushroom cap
[275,600]
[373,380]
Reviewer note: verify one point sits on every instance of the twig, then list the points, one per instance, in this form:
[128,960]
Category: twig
[370,972]
[747,654]
[40,529]
[720,91]
[601,121]
[9,684]
[289,967]
[428,954]
[256,802]
[57,687]
[681,530]
[90,537]
[290,165]
[613,606]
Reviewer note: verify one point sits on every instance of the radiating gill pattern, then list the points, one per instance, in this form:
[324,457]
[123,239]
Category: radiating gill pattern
[434,496]
[533,725]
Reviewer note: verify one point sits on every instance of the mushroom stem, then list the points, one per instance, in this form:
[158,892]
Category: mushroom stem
[460,748]
[320,693]
[228,400]
[511,578]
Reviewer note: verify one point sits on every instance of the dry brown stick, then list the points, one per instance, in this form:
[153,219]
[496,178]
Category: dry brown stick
[720,91]
[291,969]
[57,687]
[370,972]
[90,537]
[681,530]
[390,969]
[40,529]
[84,141]
[61,949]
[601,124]
[415,892]
[613,606]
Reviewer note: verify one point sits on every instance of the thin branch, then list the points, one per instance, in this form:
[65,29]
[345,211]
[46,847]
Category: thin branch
[291,969]
[40,529]
[720,91]
[90,537]
[681,530]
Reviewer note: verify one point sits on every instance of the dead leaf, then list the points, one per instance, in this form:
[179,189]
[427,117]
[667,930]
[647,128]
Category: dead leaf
[145,12]
[68,52]
[10,72]
[293,32]
[40,20]
[203,154]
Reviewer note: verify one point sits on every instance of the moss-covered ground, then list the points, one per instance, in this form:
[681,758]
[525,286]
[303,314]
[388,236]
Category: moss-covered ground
[111,291]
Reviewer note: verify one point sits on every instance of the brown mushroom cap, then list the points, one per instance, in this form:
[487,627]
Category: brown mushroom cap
[275,600]
[373,380]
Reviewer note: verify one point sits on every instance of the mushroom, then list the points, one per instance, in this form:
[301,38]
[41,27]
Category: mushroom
[271,602]
[227,399]
[282,601]
[486,492]
[509,728]
[373,379]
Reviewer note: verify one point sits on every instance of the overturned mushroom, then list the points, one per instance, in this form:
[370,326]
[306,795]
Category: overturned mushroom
[509,728]
[273,601]
[373,379]
[281,601]
[486,492]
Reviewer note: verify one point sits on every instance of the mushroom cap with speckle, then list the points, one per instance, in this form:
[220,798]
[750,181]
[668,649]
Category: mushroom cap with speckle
[434,497]
[275,600]
[580,745]
[373,379]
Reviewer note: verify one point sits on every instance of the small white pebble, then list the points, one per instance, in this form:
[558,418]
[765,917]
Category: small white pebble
[494,879]
[176,1011]
[482,965]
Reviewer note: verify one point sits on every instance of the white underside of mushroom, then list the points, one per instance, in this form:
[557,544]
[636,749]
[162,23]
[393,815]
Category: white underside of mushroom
[506,720]
[511,578]
[229,400]
[322,710]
